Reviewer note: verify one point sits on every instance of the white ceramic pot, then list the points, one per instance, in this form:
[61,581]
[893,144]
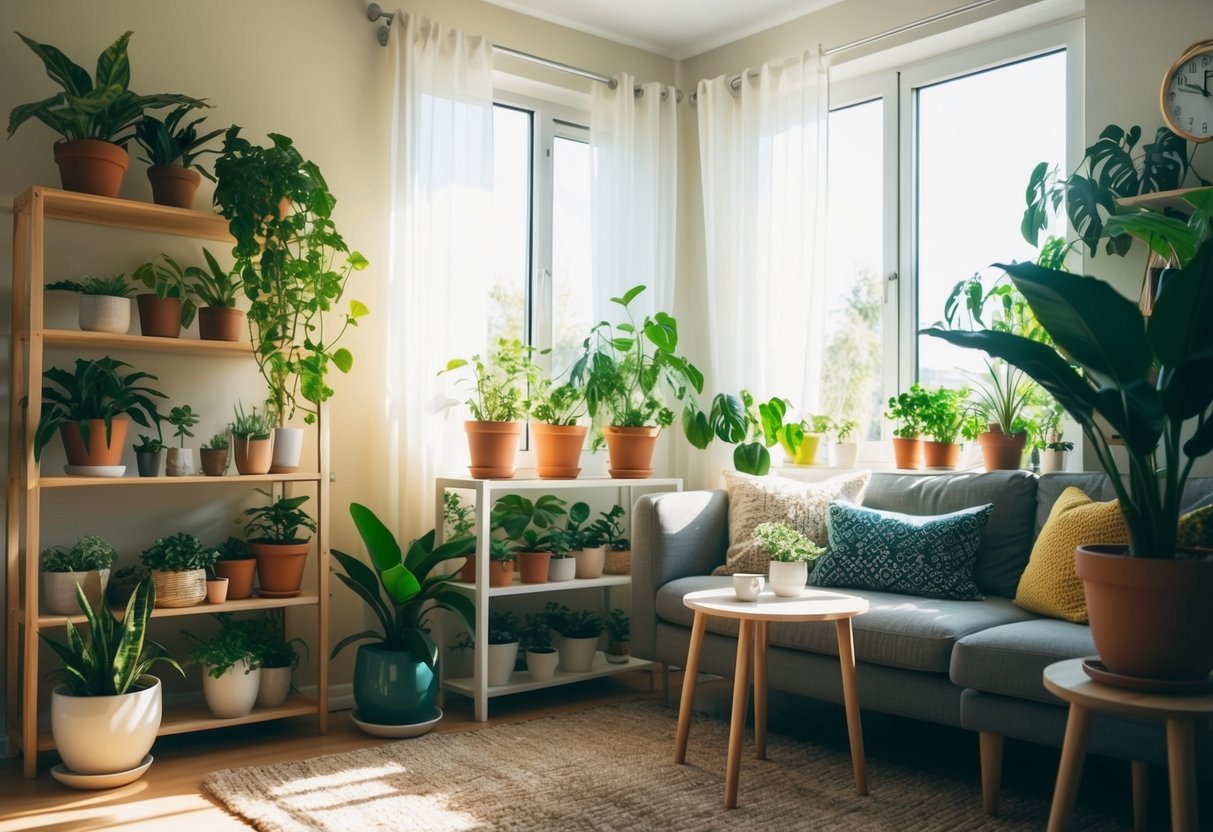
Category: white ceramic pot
[788,579]
[60,590]
[577,654]
[502,658]
[542,666]
[1052,461]
[234,693]
[105,734]
[562,569]
[274,688]
[288,447]
[105,313]
[179,462]
[589,562]
[845,453]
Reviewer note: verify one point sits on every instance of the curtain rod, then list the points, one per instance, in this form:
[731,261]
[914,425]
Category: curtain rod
[735,81]
[375,12]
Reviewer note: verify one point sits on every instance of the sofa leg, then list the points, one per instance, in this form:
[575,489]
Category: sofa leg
[991,770]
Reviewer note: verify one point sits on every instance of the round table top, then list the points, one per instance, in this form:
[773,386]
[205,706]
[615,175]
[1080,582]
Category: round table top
[812,605]
[1070,682]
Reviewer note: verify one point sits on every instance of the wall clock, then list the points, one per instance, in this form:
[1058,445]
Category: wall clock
[1186,97]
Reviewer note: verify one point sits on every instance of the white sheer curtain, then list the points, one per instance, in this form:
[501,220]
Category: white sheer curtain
[441,202]
[763,161]
[633,193]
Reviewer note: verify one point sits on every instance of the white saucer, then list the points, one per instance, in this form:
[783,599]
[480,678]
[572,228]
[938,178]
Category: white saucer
[94,470]
[398,731]
[100,781]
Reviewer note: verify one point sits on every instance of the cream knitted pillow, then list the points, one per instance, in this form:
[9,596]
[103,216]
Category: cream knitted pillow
[802,505]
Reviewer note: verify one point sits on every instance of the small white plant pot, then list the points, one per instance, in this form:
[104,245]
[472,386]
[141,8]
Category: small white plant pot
[562,569]
[542,666]
[577,654]
[105,313]
[845,454]
[60,590]
[274,688]
[589,562]
[288,448]
[501,663]
[106,734]
[788,579]
[234,693]
[1052,461]
[179,462]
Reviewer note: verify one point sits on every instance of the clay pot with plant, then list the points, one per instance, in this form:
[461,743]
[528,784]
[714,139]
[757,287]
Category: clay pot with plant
[942,421]
[178,564]
[149,456]
[167,308]
[908,409]
[216,288]
[501,562]
[273,534]
[497,404]
[215,455]
[105,302]
[95,117]
[252,441]
[558,438]
[238,564]
[172,150]
[85,564]
[180,461]
[527,530]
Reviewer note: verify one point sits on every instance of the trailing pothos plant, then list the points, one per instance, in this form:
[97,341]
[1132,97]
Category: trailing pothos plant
[294,266]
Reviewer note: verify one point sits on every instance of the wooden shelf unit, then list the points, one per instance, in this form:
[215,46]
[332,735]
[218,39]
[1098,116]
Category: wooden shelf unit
[1162,199]
[26,484]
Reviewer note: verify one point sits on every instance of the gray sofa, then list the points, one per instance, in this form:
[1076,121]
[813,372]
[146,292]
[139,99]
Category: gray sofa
[970,664]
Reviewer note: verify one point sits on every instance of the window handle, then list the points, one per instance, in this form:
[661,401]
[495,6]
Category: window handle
[890,278]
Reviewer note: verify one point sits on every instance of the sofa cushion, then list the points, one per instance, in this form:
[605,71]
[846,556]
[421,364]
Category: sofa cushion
[931,556]
[899,631]
[1006,540]
[1011,659]
[1197,493]
[802,505]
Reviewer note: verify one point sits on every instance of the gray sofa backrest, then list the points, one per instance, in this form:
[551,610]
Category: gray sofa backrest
[1097,486]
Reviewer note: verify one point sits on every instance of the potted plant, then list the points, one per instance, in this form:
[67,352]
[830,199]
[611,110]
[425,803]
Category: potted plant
[501,562]
[172,151]
[180,462]
[459,519]
[609,531]
[252,441]
[527,527]
[791,554]
[106,714]
[558,438]
[562,564]
[272,532]
[1053,454]
[231,666]
[907,408]
[845,449]
[396,675]
[105,302]
[627,370]
[90,408]
[802,441]
[214,454]
[942,421]
[1146,378]
[178,565]
[149,456]
[579,633]
[94,117]
[541,656]
[619,632]
[498,405]
[216,288]
[238,564]
[589,552]
[279,209]
[167,307]
[279,657]
[502,647]
[86,564]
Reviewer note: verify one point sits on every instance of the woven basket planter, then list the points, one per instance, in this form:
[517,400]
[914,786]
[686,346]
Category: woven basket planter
[179,589]
[618,561]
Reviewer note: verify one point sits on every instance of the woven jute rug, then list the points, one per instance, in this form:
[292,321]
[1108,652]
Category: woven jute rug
[608,768]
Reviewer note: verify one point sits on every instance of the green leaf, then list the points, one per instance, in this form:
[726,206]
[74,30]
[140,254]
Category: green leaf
[548,510]
[752,458]
[728,418]
[113,65]
[73,78]
[358,309]
[343,359]
[662,332]
[628,296]
[696,427]
[380,542]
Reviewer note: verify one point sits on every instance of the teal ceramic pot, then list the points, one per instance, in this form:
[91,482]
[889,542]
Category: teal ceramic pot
[390,688]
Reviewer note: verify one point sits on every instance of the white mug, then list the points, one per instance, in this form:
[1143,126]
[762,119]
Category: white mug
[747,585]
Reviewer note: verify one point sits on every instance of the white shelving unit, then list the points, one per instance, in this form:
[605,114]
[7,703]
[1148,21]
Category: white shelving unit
[476,686]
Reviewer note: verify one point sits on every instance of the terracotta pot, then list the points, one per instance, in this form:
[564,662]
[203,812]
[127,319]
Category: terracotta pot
[214,461]
[501,572]
[98,452]
[558,450]
[91,166]
[280,567]
[239,574]
[533,567]
[907,453]
[218,323]
[631,451]
[216,590]
[1001,452]
[1150,617]
[160,318]
[940,454]
[590,562]
[252,456]
[467,572]
[173,185]
[618,561]
[494,448]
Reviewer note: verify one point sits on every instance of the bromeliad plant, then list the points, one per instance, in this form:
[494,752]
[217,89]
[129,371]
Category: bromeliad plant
[403,588]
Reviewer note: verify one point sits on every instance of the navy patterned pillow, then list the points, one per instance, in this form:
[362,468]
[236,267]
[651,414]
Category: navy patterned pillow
[928,556]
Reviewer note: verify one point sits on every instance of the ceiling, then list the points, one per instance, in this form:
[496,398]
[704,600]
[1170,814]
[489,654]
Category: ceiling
[674,28]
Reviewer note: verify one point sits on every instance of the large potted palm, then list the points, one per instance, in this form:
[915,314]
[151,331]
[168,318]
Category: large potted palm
[396,674]
[1149,379]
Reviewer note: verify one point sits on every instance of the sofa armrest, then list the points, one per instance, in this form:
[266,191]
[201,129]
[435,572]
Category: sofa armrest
[674,535]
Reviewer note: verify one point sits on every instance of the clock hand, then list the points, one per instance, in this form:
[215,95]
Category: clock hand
[1208,72]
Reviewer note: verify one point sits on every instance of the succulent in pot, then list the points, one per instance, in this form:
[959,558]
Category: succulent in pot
[172,150]
[105,302]
[273,534]
[216,289]
[167,308]
[85,564]
[180,462]
[215,453]
[497,404]
[231,665]
[791,553]
[178,564]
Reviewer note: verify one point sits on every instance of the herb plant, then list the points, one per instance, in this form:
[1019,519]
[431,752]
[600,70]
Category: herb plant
[784,543]
[274,648]
[460,517]
[499,385]
[556,405]
[89,552]
[909,408]
[944,416]
[617,626]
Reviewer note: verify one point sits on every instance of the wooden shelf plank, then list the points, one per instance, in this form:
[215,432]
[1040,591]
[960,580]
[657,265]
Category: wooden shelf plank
[80,340]
[244,605]
[129,214]
[1162,199]
[527,481]
[88,482]
[519,588]
[520,680]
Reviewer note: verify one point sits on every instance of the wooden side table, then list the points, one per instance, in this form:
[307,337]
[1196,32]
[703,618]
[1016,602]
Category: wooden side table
[1068,681]
[754,619]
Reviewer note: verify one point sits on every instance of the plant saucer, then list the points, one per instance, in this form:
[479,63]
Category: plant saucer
[100,781]
[415,729]
[265,594]
[94,470]
[630,473]
[1098,671]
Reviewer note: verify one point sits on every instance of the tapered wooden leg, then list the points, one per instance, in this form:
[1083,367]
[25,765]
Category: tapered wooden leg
[1141,790]
[761,630]
[1181,762]
[991,770]
[689,677]
[850,696]
[741,690]
[1073,750]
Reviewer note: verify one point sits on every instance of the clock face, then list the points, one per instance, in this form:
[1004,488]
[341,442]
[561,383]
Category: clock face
[1187,96]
